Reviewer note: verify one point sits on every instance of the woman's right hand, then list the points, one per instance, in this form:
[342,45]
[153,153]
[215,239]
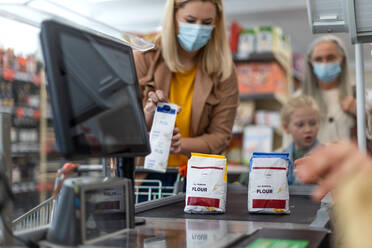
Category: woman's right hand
[153,97]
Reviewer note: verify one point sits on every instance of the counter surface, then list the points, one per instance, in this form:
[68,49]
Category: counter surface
[167,232]
[303,210]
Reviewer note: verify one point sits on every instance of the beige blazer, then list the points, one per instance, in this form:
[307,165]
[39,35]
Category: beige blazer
[214,102]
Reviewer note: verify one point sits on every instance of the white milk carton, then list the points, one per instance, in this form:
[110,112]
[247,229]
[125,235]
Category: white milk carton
[206,184]
[268,185]
[161,136]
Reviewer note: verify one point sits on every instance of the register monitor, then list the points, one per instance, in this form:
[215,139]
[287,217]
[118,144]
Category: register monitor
[94,94]
[97,112]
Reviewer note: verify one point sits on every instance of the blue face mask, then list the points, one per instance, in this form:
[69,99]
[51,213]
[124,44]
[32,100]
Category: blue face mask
[192,37]
[327,72]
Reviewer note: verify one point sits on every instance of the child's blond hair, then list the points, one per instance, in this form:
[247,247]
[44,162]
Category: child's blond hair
[294,103]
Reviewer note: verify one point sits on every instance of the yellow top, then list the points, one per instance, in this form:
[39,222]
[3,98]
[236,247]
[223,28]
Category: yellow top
[181,92]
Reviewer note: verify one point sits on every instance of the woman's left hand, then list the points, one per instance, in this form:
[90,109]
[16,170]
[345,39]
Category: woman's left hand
[348,105]
[176,142]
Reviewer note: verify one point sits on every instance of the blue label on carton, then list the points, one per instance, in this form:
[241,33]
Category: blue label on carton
[166,109]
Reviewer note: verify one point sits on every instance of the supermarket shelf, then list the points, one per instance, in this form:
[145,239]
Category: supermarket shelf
[25,154]
[280,98]
[8,110]
[20,76]
[256,57]
[283,59]
[25,148]
[23,187]
[254,96]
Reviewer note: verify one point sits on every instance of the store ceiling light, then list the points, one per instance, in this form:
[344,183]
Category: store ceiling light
[34,12]
[101,1]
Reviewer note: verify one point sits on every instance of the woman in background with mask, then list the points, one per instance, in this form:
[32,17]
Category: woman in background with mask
[327,80]
[192,67]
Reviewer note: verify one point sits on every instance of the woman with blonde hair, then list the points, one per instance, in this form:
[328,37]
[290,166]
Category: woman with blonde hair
[327,81]
[192,67]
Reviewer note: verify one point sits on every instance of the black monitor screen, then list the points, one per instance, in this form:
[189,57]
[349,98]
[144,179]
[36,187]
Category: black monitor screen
[92,82]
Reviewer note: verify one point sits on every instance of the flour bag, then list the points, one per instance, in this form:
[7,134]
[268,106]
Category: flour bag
[206,184]
[268,185]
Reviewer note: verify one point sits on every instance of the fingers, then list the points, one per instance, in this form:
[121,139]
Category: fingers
[176,141]
[176,147]
[179,109]
[304,171]
[175,150]
[353,163]
[322,161]
[157,96]
[330,165]
[176,130]
[349,104]
[153,97]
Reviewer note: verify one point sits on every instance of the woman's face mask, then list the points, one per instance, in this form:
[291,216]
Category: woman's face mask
[327,72]
[192,37]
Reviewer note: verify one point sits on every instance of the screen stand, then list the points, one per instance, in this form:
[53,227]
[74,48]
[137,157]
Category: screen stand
[126,168]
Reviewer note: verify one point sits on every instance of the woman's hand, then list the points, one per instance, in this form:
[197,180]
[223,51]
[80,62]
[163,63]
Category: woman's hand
[348,105]
[176,142]
[149,109]
[331,165]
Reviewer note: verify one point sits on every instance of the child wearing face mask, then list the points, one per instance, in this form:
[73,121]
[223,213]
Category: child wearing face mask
[327,81]
[300,118]
[192,67]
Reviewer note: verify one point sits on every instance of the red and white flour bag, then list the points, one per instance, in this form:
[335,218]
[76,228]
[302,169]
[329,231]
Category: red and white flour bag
[206,184]
[268,185]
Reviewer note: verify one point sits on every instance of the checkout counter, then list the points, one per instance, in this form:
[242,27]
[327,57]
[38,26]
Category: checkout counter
[166,224]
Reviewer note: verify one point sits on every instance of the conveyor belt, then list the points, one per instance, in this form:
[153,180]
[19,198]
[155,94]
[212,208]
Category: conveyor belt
[303,210]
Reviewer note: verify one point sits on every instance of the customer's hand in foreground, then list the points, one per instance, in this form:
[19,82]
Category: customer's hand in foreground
[330,165]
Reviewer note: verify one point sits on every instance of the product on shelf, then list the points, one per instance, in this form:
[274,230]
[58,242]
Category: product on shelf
[256,139]
[272,39]
[20,97]
[234,151]
[247,43]
[234,33]
[244,116]
[268,118]
[261,78]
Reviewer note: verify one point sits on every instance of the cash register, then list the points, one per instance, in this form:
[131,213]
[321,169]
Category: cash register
[97,113]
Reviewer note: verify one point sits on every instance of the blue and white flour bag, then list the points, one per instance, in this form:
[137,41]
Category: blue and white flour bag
[268,185]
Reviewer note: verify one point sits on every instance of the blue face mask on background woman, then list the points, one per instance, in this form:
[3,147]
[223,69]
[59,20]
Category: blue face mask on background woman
[192,37]
[327,72]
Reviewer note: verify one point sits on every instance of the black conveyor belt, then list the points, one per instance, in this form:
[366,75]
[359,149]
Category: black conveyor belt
[303,210]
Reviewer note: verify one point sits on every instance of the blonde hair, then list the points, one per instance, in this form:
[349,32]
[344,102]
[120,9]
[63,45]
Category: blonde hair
[295,103]
[215,57]
[310,85]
